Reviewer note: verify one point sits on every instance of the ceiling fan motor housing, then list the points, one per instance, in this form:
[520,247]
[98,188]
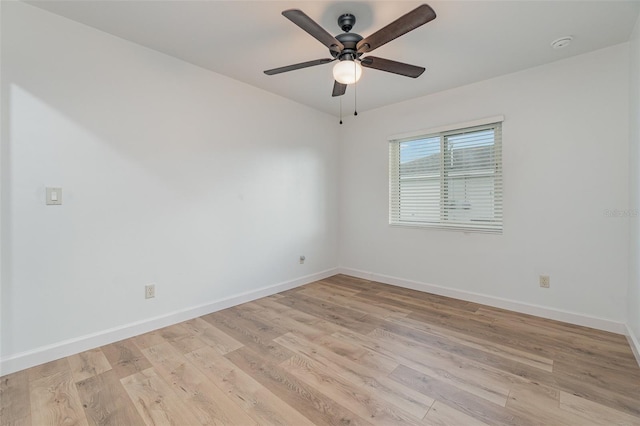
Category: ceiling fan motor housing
[349,40]
[350,51]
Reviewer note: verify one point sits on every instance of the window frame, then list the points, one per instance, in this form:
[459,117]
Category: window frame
[494,223]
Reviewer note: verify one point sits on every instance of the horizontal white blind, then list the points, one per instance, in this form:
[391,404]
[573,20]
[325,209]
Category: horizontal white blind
[449,180]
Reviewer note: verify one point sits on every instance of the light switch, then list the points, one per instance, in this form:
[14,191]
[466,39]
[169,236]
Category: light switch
[54,196]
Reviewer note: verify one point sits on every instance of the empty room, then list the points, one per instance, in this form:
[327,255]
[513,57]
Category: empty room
[320,212]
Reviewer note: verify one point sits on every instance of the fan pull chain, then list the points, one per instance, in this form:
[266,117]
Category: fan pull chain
[355,91]
[340,98]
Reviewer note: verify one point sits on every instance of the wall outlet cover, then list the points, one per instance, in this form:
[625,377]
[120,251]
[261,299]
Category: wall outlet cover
[150,291]
[545,281]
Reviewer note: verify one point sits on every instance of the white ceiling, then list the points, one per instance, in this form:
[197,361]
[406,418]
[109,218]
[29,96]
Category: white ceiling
[468,41]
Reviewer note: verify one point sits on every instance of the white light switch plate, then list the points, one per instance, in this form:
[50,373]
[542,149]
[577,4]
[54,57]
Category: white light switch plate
[54,196]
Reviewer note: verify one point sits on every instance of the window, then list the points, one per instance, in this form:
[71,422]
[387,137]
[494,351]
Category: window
[450,178]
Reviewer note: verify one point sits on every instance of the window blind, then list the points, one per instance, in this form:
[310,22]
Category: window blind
[449,179]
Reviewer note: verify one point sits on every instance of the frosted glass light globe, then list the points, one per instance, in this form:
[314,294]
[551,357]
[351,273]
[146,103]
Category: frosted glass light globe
[347,72]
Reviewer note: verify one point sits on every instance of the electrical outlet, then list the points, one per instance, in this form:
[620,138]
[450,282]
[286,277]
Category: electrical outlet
[302,259]
[545,282]
[149,291]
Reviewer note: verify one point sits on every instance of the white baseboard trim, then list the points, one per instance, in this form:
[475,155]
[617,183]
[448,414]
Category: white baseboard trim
[634,342]
[497,302]
[31,358]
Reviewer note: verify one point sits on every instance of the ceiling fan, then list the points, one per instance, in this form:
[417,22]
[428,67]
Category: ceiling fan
[348,48]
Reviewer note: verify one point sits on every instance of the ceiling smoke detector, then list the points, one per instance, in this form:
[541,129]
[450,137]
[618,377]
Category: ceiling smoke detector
[561,42]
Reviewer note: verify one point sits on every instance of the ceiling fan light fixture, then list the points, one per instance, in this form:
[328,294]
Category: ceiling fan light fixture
[347,71]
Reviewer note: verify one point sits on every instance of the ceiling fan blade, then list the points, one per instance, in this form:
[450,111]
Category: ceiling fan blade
[392,66]
[298,66]
[412,20]
[299,18]
[339,89]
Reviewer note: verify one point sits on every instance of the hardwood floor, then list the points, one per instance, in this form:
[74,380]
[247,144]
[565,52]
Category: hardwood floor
[340,351]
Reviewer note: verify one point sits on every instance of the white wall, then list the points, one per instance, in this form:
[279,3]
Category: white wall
[633,299]
[565,147]
[170,173]
[211,188]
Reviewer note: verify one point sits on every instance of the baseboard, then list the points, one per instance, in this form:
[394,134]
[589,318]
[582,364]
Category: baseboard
[633,342]
[497,302]
[43,354]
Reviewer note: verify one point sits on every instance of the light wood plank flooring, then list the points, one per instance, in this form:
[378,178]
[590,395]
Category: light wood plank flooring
[341,351]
